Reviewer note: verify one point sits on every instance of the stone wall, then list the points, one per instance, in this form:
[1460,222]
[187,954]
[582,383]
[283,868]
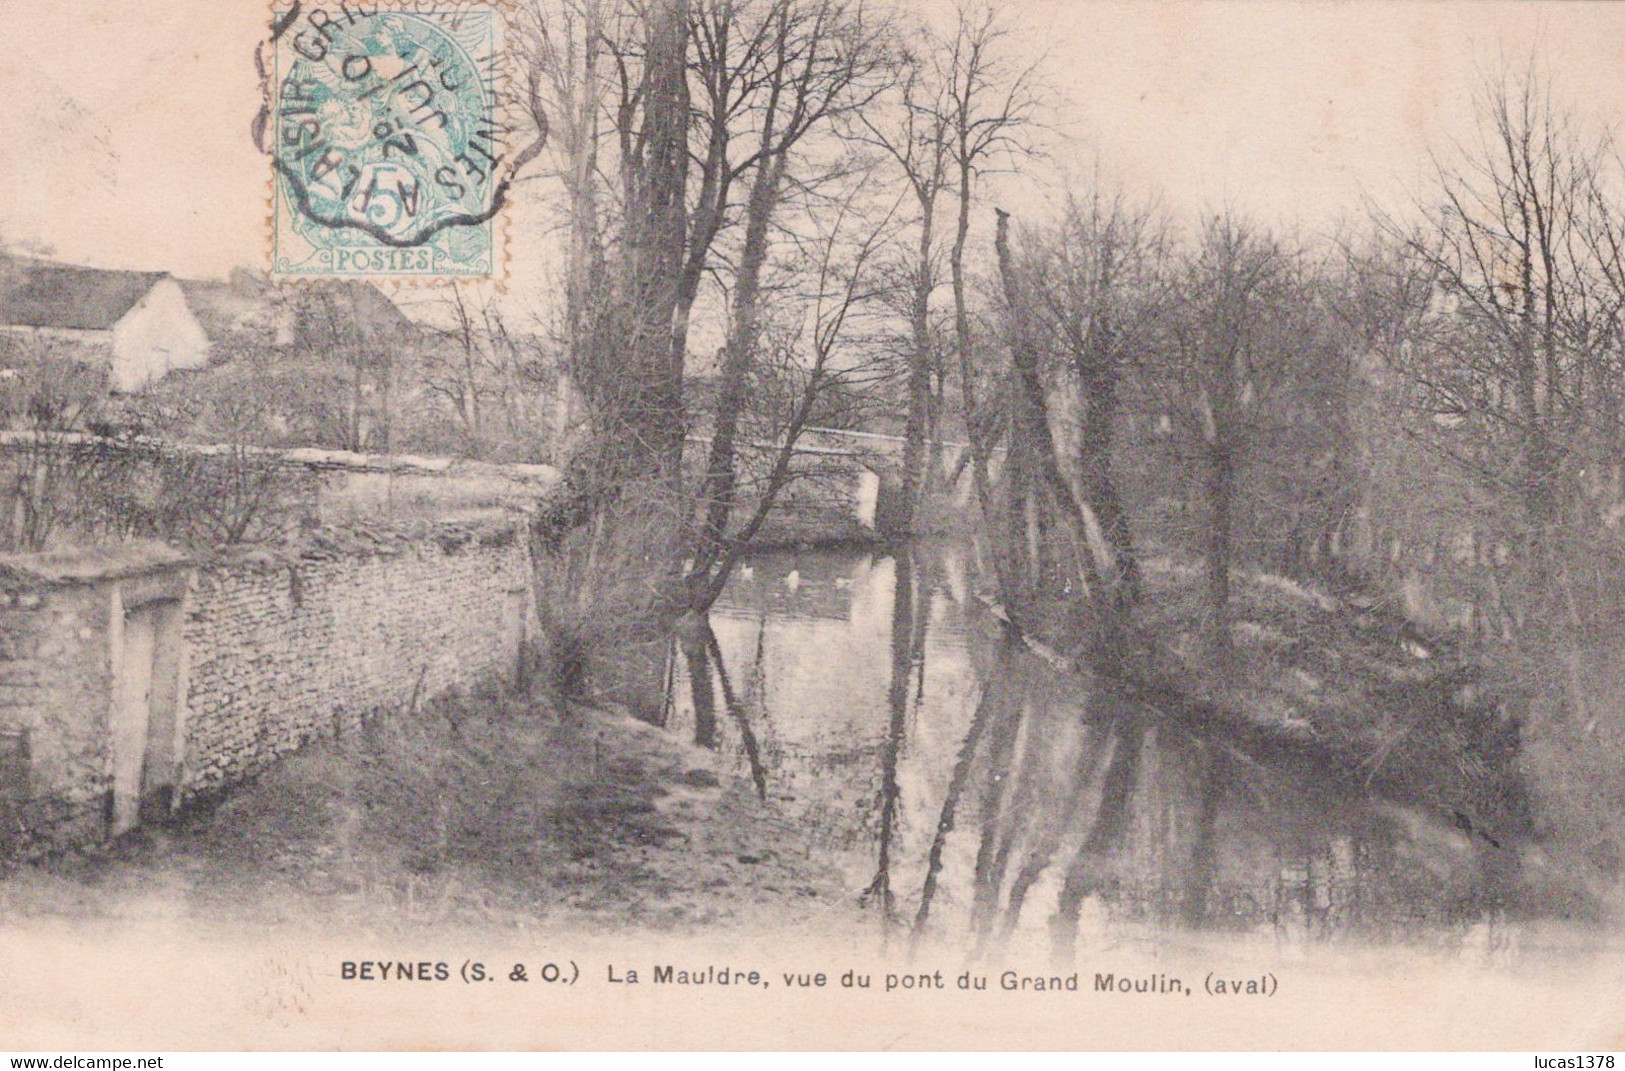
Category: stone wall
[73,489]
[59,639]
[134,678]
[289,648]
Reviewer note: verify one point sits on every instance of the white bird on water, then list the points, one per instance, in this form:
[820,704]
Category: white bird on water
[747,572]
[792,580]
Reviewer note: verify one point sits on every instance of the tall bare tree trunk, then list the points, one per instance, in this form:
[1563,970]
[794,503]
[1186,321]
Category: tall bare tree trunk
[918,428]
[980,447]
[1030,436]
[1098,374]
[659,225]
[586,260]
[1221,493]
[739,358]
[1219,440]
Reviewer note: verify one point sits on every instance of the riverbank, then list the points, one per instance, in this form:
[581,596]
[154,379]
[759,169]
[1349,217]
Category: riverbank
[1346,682]
[482,811]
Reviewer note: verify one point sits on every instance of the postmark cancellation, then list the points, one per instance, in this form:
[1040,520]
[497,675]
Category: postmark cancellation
[387,139]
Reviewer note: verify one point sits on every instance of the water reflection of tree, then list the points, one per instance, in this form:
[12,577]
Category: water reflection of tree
[1167,824]
[702,655]
[1204,850]
[1028,761]
[1041,852]
[1106,832]
[911,614]
[1001,795]
[1068,779]
[994,705]
[1073,797]
[694,641]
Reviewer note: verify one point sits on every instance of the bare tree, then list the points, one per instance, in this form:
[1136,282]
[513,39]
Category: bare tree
[1521,327]
[820,59]
[342,333]
[455,367]
[703,105]
[49,398]
[624,316]
[564,48]
[991,103]
[1093,288]
[1036,491]
[1244,329]
[913,131]
[810,364]
[655,236]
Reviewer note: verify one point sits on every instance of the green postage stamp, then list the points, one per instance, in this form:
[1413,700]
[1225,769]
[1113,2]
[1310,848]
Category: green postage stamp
[386,138]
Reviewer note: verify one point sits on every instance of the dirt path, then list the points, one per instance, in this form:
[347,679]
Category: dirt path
[479,812]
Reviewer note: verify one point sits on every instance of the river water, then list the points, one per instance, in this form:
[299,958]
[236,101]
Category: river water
[968,789]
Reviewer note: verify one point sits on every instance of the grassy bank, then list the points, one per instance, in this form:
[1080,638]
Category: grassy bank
[480,810]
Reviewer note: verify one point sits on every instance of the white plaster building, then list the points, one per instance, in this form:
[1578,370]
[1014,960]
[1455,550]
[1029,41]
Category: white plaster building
[138,325]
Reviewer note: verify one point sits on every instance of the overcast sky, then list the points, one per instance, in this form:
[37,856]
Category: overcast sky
[124,125]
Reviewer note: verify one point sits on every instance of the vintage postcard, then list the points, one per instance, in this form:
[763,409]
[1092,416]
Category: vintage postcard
[811,524]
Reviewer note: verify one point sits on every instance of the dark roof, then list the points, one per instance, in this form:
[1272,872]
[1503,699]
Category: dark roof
[247,303]
[358,302]
[35,293]
[225,309]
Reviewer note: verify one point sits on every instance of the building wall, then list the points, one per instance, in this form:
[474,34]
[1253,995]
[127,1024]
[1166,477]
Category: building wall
[55,691]
[157,336]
